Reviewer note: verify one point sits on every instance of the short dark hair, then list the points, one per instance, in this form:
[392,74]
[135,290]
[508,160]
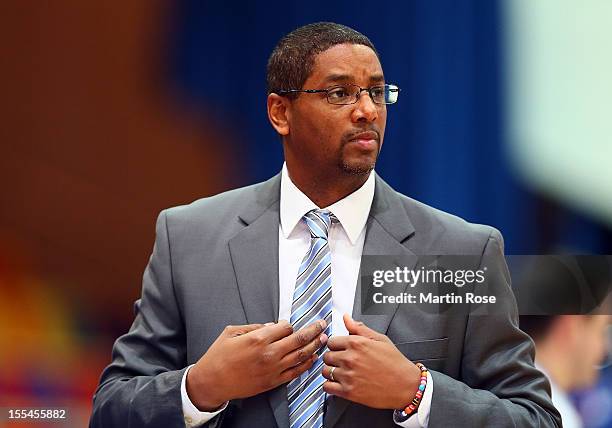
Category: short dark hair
[292,59]
[537,326]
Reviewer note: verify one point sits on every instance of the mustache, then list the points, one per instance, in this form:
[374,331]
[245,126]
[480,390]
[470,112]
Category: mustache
[352,135]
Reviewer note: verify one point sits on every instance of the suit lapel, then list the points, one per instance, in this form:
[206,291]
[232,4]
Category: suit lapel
[387,227]
[254,254]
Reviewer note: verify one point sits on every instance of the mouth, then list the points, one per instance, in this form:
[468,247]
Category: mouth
[365,140]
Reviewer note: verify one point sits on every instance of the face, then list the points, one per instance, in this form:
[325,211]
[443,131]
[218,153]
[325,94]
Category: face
[591,348]
[337,139]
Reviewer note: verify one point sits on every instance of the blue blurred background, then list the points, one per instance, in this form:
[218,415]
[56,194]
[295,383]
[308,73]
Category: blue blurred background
[114,111]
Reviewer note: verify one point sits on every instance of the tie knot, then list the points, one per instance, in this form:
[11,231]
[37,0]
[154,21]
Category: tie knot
[318,221]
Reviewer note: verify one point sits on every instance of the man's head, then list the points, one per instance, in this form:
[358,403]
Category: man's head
[569,347]
[324,141]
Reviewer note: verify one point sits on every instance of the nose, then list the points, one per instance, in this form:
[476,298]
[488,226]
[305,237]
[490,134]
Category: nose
[365,109]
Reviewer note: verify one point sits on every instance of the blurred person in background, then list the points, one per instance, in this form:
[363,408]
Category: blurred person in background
[568,321]
[568,350]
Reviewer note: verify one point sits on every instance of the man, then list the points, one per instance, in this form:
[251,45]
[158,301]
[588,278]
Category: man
[569,348]
[206,346]
[569,324]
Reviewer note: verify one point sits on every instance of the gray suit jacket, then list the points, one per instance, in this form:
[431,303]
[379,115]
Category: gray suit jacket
[215,263]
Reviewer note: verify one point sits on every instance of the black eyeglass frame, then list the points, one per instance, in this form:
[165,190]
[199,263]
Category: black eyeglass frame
[387,86]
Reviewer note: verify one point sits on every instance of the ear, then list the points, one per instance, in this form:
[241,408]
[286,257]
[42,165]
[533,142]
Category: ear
[568,327]
[278,113]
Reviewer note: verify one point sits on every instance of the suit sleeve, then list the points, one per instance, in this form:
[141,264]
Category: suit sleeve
[501,387]
[142,385]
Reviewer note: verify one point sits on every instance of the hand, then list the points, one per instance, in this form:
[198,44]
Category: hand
[370,370]
[249,359]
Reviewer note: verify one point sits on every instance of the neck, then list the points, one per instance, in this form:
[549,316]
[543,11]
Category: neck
[327,190]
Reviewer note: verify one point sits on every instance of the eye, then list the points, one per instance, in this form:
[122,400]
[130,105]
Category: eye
[338,92]
[378,91]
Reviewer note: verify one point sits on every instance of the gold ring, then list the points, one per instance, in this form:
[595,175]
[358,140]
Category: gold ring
[331,374]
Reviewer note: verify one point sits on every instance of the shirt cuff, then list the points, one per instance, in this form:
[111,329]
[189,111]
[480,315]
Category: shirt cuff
[421,419]
[193,416]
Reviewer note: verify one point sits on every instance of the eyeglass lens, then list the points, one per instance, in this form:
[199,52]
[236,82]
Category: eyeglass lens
[349,94]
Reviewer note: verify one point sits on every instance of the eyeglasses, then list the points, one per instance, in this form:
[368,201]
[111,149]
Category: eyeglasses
[349,93]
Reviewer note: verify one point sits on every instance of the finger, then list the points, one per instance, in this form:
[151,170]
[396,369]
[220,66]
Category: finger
[360,329]
[296,371]
[238,330]
[339,343]
[301,337]
[333,358]
[302,354]
[334,388]
[327,373]
[273,332]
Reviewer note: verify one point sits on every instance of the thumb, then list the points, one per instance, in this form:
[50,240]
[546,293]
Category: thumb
[360,329]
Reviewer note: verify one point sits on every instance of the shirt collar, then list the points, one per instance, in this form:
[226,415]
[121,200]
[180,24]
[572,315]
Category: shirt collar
[352,211]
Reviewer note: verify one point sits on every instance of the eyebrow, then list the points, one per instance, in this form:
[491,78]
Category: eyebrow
[338,78]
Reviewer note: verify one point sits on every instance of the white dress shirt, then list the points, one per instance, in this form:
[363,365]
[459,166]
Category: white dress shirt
[346,240]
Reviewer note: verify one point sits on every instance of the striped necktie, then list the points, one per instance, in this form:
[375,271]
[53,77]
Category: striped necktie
[312,300]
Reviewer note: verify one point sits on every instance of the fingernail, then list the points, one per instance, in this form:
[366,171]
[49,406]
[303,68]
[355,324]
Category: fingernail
[323,338]
[323,324]
[269,323]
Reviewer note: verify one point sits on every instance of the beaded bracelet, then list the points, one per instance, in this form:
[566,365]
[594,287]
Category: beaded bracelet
[414,404]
